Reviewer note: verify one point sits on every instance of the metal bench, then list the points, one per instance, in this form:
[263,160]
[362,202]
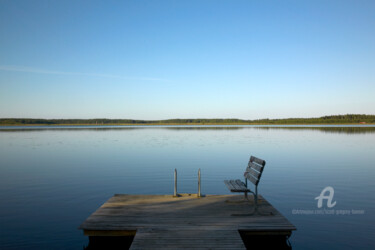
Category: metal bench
[253,173]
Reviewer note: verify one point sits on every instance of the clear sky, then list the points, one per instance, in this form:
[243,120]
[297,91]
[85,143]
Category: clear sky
[186,59]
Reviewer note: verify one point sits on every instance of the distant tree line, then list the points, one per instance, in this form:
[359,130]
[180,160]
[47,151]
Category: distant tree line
[333,119]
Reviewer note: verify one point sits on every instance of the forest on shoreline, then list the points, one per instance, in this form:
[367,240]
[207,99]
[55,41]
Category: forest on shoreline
[333,119]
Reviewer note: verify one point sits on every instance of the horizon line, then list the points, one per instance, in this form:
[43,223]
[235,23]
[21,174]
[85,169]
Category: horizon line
[1,118]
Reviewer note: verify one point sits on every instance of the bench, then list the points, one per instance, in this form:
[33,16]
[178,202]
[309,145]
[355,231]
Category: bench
[253,173]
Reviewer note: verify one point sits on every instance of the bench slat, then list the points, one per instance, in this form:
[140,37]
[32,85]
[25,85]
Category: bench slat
[229,186]
[257,160]
[244,186]
[239,182]
[258,168]
[254,173]
[239,185]
[234,186]
[252,179]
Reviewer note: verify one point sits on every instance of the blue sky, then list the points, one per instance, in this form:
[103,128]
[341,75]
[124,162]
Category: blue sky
[186,59]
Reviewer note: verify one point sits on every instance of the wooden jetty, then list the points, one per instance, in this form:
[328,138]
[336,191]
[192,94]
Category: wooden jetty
[164,221]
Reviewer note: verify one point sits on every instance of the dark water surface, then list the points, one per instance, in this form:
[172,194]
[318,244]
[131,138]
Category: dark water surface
[53,178]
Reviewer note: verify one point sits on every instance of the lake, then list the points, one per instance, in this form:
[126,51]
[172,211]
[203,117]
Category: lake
[53,178]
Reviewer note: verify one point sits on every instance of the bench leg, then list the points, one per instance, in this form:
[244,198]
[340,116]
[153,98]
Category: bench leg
[256,204]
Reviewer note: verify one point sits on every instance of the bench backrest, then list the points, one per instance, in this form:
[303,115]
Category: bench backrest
[254,170]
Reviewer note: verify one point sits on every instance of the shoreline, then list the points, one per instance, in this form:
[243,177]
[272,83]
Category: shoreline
[187,124]
[348,119]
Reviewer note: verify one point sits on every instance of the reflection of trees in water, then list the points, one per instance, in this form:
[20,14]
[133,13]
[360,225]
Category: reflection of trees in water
[344,130]
[330,129]
[117,128]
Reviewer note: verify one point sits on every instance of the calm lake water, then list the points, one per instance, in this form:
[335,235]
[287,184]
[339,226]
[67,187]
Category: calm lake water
[53,178]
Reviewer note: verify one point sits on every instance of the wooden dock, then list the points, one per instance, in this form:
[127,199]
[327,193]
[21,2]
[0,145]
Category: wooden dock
[164,221]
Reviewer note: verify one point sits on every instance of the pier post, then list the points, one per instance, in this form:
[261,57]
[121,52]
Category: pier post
[199,183]
[175,183]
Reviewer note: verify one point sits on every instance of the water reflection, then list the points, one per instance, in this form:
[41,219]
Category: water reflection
[341,129]
[328,130]
[52,178]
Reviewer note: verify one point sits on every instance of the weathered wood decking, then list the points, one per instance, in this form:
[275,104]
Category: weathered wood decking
[163,221]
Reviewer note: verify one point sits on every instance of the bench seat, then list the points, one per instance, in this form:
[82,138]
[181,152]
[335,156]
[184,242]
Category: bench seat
[236,186]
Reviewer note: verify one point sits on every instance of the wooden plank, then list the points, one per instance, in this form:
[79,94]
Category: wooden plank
[202,239]
[254,173]
[229,185]
[239,182]
[257,160]
[252,178]
[186,221]
[109,233]
[178,211]
[240,187]
[236,186]
[258,168]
